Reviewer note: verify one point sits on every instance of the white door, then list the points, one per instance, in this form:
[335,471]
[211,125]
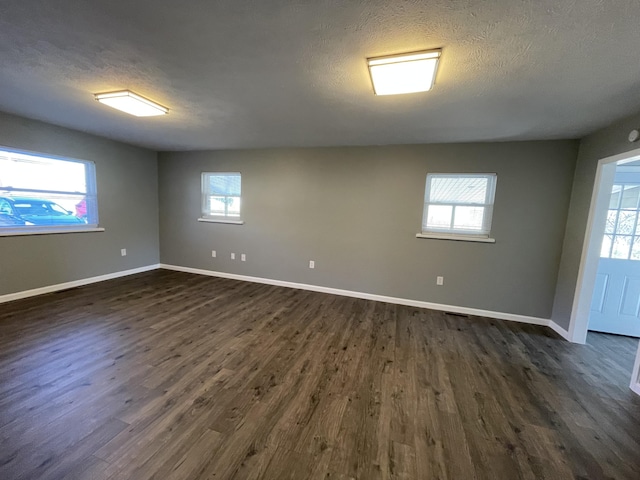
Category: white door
[615,307]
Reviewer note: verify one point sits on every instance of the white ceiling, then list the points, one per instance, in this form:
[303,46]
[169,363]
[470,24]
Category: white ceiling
[264,73]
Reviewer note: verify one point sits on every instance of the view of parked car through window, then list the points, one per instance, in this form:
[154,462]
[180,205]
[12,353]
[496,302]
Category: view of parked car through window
[38,192]
[35,211]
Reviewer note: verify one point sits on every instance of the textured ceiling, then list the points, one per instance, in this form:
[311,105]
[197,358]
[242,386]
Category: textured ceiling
[262,73]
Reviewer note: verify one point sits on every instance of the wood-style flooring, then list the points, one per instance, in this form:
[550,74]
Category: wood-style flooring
[169,375]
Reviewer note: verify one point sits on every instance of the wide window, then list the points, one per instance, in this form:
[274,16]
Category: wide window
[40,194]
[458,205]
[221,196]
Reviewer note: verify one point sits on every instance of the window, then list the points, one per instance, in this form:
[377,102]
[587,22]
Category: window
[40,194]
[221,195]
[622,231]
[458,206]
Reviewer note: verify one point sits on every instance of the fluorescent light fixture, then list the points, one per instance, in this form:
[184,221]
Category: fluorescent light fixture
[131,103]
[406,73]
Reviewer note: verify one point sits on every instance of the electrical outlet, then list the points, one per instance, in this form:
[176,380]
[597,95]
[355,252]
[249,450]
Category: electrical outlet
[312,264]
[123,252]
[243,257]
[439,280]
[213,253]
[233,256]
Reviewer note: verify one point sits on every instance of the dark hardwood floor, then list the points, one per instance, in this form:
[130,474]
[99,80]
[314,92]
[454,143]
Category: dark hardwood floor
[169,375]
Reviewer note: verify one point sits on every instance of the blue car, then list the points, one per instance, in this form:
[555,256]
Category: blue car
[36,211]
[10,221]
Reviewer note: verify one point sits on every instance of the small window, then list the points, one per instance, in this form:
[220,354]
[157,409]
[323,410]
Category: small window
[622,231]
[221,196]
[458,205]
[41,194]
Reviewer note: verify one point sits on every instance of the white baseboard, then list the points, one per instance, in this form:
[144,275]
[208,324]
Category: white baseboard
[635,387]
[301,286]
[366,296]
[559,330]
[76,283]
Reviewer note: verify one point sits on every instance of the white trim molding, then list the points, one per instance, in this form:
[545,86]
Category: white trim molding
[635,378]
[49,231]
[301,286]
[459,237]
[365,296]
[76,283]
[221,220]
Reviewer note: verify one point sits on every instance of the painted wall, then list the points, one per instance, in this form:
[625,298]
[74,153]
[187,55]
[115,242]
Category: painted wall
[127,202]
[355,211]
[604,143]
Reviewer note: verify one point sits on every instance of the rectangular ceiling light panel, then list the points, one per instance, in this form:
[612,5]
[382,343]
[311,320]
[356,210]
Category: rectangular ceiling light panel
[407,73]
[131,103]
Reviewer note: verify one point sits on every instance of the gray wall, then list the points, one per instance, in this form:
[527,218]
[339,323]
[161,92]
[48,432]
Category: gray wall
[127,202]
[355,211]
[604,143]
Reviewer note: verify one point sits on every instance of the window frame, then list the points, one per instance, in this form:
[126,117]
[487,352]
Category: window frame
[90,195]
[205,194]
[452,233]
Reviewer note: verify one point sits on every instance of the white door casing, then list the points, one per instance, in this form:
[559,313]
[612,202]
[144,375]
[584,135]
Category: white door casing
[635,378]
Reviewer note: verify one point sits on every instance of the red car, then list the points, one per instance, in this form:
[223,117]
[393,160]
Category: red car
[81,209]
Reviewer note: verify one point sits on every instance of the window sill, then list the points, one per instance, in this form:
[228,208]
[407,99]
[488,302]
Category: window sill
[460,238]
[221,220]
[49,231]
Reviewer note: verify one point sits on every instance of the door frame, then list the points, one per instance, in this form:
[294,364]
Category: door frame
[635,378]
[579,323]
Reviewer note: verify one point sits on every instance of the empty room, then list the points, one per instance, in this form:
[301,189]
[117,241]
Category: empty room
[319,240]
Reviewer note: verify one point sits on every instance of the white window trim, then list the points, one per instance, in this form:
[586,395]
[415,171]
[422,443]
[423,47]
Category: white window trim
[220,220]
[460,238]
[461,235]
[50,231]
